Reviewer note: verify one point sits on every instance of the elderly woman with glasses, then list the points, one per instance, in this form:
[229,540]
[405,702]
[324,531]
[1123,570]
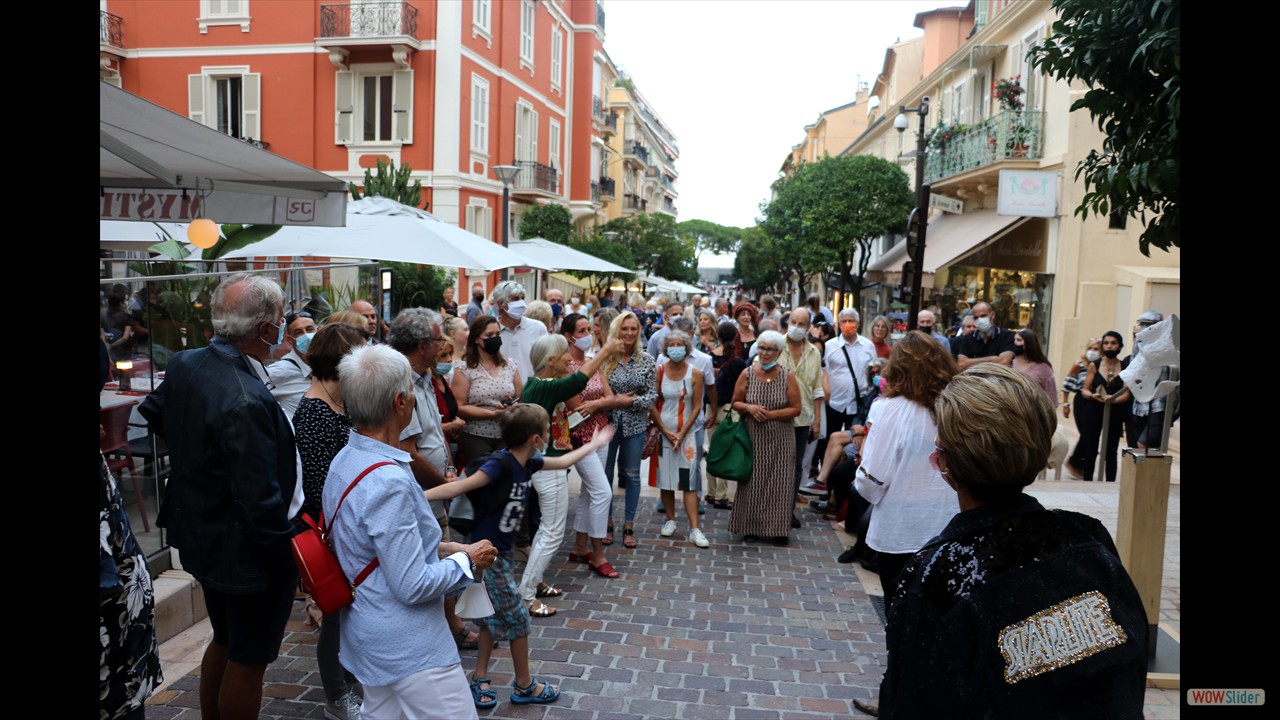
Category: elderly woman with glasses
[1012,609]
[768,397]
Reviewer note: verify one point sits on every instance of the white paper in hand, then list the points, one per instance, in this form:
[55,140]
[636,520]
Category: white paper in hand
[1159,344]
[474,602]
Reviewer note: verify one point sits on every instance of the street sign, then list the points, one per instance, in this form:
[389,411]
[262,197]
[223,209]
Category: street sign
[946,204]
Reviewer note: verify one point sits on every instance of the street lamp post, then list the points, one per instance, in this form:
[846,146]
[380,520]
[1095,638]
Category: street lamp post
[507,174]
[919,221]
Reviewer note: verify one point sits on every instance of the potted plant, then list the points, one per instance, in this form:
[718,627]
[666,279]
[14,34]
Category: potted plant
[1008,92]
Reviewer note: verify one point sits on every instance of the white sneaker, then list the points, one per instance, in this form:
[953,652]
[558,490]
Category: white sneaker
[697,538]
[669,529]
[346,708]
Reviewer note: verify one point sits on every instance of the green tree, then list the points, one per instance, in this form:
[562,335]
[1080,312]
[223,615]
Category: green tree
[415,285]
[390,183]
[759,264]
[829,212]
[707,235]
[549,222]
[593,242]
[655,246]
[1127,53]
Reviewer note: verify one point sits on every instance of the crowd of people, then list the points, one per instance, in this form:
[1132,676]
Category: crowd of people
[496,401]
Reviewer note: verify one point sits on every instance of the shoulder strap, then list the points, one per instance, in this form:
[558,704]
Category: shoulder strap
[373,564]
[844,348]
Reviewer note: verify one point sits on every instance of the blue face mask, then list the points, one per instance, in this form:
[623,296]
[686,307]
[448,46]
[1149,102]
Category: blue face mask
[676,353]
[444,368]
[302,342]
[280,335]
[589,306]
[769,366]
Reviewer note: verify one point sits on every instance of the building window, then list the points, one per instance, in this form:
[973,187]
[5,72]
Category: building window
[557,51]
[223,12]
[553,148]
[526,133]
[227,99]
[374,105]
[480,12]
[479,114]
[1031,80]
[527,14]
[480,219]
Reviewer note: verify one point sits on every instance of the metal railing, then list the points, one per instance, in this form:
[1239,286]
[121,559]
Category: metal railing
[110,29]
[536,176]
[382,19]
[638,150]
[1011,135]
[606,186]
[652,171]
[669,208]
[634,202]
[669,184]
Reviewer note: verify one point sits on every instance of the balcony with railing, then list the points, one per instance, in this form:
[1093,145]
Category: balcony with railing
[669,207]
[368,20]
[536,179]
[1013,135]
[669,184]
[606,188]
[110,30]
[634,203]
[636,153]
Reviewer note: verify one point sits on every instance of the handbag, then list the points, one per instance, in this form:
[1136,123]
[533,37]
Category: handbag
[652,435]
[318,567]
[474,602]
[731,455]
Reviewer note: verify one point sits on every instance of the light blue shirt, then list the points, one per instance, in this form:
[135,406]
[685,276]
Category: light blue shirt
[396,626]
[656,342]
[942,340]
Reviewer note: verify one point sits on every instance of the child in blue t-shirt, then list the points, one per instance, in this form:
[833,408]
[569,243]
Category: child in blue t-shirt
[525,430]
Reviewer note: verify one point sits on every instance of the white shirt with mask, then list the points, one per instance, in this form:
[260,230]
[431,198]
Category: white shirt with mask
[518,344]
[847,388]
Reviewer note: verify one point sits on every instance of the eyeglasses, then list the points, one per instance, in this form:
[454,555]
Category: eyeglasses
[764,350]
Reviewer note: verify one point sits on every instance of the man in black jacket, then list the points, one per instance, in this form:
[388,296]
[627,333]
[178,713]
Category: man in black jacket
[1013,611]
[231,491]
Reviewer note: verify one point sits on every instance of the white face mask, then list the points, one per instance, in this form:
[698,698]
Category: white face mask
[983,324]
[583,343]
[1092,355]
[515,309]
[796,333]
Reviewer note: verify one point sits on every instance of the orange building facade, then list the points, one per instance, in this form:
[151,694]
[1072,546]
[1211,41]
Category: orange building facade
[451,88]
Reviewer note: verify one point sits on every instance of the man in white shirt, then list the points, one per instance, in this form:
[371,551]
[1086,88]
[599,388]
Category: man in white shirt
[291,375]
[658,340]
[517,331]
[702,362]
[845,359]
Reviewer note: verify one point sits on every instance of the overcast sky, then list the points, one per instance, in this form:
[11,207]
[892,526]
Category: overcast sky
[737,81]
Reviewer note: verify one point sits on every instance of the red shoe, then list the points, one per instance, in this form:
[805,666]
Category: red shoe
[575,557]
[604,569]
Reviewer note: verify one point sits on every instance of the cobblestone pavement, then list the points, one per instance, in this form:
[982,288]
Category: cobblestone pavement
[733,631]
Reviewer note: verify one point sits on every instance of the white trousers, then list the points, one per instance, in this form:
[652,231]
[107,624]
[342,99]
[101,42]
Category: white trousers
[440,692]
[592,516]
[553,500]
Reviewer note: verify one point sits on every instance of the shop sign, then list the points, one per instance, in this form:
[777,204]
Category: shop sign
[946,204]
[1028,193]
[174,205]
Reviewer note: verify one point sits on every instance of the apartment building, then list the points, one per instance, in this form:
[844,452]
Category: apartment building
[1003,227]
[450,87]
[641,158]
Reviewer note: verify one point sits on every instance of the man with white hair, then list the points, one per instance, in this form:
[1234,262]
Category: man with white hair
[722,312]
[232,488]
[926,322]
[517,331]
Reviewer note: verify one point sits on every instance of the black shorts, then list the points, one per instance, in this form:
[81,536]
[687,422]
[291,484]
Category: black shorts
[252,626]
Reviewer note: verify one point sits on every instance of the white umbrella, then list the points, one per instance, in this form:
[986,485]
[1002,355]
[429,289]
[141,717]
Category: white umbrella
[554,256]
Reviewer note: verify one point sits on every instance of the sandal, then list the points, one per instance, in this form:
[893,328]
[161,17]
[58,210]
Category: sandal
[466,639]
[541,609]
[523,695]
[709,498]
[575,557]
[608,535]
[629,538]
[545,590]
[725,504]
[483,697]
[604,569]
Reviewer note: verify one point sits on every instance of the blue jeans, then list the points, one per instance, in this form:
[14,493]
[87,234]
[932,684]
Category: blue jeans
[629,448]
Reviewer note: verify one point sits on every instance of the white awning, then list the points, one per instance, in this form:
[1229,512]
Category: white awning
[950,237]
[555,256]
[156,165]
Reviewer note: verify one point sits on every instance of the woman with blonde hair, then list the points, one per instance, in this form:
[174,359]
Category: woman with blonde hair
[631,374]
[880,336]
[349,317]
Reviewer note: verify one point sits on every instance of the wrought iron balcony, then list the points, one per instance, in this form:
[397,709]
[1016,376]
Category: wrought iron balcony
[600,15]
[635,149]
[376,19]
[536,176]
[1011,135]
[652,172]
[606,187]
[669,208]
[110,29]
[634,202]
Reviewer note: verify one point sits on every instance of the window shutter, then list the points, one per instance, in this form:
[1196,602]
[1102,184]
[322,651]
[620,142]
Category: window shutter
[521,121]
[195,98]
[251,87]
[344,101]
[402,106]
[533,137]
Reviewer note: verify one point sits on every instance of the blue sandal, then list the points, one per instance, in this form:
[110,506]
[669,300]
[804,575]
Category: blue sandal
[486,697]
[550,693]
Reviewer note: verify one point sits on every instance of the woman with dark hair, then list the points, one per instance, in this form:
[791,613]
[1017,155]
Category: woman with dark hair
[911,502]
[1029,359]
[728,366]
[484,385]
[1012,611]
[747,317]
[1102,386]
[321,428]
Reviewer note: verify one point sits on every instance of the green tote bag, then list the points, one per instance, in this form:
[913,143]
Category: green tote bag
[730,454]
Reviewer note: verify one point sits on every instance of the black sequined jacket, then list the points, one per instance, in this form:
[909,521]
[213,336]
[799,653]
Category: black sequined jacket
[1015,611]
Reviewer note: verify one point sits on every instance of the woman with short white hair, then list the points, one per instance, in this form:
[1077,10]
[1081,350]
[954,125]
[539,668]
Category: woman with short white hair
[680,395]
[385,517]
[555,389]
